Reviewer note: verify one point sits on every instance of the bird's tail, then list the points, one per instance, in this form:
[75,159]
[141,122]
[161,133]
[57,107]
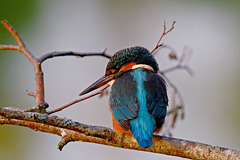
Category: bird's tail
[145,143]
[143,132]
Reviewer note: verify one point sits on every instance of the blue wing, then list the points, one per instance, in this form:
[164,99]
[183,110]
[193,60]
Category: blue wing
[123,100]
[157,100]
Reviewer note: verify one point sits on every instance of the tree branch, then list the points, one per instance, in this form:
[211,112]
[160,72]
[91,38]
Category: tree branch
[70,53]
[74,131]
[76,101]
[41,105]
[39,95]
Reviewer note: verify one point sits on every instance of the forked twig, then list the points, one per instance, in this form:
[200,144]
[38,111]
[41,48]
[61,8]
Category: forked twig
[175,108]
[41,105]
[163,34]
[183,63]
[39,95]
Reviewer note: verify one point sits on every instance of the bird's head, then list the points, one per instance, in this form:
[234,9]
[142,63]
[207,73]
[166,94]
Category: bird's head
[123,61]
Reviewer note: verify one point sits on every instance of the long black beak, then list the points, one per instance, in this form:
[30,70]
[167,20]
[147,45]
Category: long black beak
[99,83]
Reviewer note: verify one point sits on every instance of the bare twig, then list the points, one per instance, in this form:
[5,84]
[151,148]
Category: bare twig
[30,93]
[163,34]
[175,108]
[70,53]
[21,46]
[41,105]
[183,62]
[9,47]
[78,100]
[75,131]
[39,95]
[172,54]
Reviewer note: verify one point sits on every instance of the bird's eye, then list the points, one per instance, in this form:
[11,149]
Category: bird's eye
[108,72]
[117,67]
[111,71]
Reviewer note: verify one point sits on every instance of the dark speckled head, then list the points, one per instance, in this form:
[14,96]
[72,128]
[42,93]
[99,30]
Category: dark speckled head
[137,54]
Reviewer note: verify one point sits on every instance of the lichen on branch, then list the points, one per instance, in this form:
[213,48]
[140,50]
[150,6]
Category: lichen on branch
[70,130]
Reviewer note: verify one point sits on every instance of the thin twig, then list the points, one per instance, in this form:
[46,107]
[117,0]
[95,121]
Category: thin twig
[163,34]
[13,33]
[170,83]
[172,54]
[9,47]
[174,107]
[30,93]
[76,101]
[183,63]
[21,46]
[179,66]
[71,53]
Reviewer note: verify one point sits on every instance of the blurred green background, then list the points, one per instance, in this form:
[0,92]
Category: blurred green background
[209,28]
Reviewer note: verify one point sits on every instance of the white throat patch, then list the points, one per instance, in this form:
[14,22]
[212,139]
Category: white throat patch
[110,83]
[145,66]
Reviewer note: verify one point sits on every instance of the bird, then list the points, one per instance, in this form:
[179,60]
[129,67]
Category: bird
[138,97]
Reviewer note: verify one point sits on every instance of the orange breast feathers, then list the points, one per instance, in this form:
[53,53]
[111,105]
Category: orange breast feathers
[117,128]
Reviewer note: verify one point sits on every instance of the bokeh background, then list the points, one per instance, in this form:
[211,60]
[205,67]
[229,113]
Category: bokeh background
[212,98]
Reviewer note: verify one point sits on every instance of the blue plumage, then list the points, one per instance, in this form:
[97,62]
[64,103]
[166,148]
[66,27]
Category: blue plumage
[138,97]
[142,126]
[123,100]
[138,106]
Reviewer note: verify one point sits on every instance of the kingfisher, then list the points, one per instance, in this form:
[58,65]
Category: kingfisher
[138,97]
